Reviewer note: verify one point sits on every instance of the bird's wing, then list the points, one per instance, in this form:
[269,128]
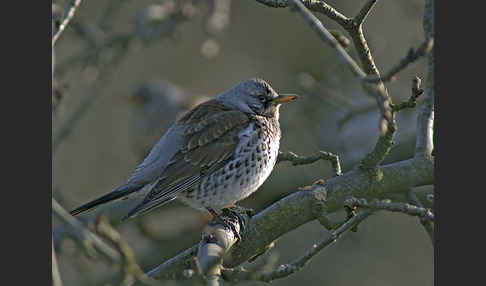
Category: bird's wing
[209,139]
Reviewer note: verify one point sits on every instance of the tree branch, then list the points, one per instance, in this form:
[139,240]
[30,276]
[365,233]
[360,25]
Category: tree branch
[427,224]
[285,270]
[73,5]
[91,243]
[303,206]
[412,101]
[216,241]
[327,37]
[56,276]
[387,123]
[121,44]
[354,27]
[364,12]
[412,56]
[321,155]
[316,6]
[385,142]
[131,270]
[315,202]
[425,122]
[387,205]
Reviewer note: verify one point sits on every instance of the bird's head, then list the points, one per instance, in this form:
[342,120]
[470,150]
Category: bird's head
[255,96]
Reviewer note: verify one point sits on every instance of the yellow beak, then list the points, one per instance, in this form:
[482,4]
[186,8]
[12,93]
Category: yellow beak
[283,98]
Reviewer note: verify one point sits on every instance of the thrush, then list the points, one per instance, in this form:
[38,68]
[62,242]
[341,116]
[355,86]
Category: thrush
[217,154]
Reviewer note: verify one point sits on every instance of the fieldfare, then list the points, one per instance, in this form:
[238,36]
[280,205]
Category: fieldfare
[217,154]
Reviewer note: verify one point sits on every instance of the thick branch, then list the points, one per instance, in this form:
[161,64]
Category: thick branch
[301,207]
[217,240]
[425,122]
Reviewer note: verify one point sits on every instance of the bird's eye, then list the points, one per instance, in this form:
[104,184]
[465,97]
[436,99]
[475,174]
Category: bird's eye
[262,98]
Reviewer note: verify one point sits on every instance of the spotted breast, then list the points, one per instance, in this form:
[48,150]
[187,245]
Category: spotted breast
[251,164]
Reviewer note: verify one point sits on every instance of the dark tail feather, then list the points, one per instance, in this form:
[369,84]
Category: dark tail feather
[119,192]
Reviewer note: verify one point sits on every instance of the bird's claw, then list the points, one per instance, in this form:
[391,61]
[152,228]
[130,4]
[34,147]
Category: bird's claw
[228,218]
[239,209]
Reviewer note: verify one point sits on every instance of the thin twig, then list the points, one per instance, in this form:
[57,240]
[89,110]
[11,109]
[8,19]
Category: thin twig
[91,243]
[364,12]
[354,27]
[412,56]
[131,270]
[385,141]
[387,205]
[327,37]
[377,90]
[56,276]
[316,6]
[105,74]
[427,224]
[285,270]
[321,155]
[412,101]
[73,5]
[94,245]
[121,44]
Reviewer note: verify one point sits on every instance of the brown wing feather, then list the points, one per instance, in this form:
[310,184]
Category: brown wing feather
[211,122]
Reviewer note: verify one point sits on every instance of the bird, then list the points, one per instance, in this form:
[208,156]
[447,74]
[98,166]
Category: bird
[218,153]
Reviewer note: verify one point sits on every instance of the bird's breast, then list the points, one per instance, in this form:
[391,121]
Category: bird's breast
[252,163]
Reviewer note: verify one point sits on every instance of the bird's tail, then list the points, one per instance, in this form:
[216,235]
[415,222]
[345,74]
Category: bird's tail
[119,192]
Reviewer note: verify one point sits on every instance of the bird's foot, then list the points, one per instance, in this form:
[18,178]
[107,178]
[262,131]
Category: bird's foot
[351,211]
[239,209]
[228,219]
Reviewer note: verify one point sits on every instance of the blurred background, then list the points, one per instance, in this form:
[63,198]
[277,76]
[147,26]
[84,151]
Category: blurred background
[125,70]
